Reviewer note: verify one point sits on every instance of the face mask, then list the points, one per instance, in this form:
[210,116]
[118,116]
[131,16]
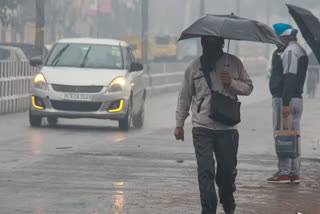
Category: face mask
[211,44]
[211,50]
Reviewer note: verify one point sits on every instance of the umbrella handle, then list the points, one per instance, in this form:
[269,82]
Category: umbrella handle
[227,58]
[226,65]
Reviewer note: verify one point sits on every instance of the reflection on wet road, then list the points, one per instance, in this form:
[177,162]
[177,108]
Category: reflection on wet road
[119,198]
[36,143]
[38,204]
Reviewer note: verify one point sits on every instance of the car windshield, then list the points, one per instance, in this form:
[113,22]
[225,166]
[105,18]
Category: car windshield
[86,56]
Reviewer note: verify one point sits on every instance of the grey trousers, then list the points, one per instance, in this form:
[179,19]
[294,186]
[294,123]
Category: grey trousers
[224,144]
[286,165]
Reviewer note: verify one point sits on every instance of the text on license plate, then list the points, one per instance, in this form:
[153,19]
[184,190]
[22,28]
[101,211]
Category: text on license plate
[75,96]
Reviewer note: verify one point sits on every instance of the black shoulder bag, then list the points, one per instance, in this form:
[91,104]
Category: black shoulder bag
[223,109]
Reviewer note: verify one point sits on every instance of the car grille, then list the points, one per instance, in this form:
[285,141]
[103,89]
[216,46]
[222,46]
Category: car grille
[76,106]
[77,89]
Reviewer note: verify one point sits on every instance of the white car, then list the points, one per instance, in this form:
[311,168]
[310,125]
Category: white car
[89,78]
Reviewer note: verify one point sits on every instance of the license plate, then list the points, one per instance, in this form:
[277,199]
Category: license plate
[75,96]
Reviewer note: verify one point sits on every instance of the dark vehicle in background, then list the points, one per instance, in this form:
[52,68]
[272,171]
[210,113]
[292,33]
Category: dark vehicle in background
[12,54]
[30,50]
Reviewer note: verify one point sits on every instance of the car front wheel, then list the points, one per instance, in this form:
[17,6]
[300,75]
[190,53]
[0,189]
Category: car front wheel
[124,124]
[35,121]
[138,120]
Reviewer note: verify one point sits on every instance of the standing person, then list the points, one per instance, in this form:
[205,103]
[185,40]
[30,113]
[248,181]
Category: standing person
[289,67]
[210,136]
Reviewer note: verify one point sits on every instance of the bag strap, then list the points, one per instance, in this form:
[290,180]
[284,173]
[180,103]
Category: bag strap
[206,75]
[207,78]
[289,124]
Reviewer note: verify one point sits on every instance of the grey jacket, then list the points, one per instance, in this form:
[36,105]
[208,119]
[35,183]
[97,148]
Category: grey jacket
[196,93]
[288,74]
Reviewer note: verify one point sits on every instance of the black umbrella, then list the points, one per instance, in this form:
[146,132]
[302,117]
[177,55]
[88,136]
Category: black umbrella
[309,26]
[231,27]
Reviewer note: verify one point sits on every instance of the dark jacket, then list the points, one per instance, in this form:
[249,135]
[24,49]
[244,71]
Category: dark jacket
[288,72]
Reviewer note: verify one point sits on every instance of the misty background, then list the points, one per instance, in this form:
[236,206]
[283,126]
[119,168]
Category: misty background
[123,18]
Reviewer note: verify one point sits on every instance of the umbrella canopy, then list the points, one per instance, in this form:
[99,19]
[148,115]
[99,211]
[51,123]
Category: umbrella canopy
[231,27]
[309,26]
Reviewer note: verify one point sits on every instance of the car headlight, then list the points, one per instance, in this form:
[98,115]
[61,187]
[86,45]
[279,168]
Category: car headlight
[117,85]
[40,82]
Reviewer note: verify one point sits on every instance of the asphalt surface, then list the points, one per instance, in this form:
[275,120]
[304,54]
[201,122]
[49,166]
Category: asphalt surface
[89,166]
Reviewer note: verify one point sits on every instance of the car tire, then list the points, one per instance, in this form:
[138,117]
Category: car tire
[35,121]
[52,121]
[125,124]
[138,120]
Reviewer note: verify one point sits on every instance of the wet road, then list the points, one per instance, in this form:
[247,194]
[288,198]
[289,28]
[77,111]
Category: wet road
[89,166]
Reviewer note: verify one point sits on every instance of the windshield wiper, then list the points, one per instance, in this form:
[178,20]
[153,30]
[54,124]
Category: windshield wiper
[84,61]
[59,54]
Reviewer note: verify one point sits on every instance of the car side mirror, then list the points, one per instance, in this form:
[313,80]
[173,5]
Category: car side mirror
[136,67]
[36,61]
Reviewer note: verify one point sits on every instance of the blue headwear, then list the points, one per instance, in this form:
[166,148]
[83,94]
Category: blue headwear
[282,29]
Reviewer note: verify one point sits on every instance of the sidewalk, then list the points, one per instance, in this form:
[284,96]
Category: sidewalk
[257,162]
[175,189]
[256,129]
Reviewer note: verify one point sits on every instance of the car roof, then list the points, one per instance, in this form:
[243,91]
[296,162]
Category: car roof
[94,41]
[13,44]
[29,50]
[16,50]
[9,48]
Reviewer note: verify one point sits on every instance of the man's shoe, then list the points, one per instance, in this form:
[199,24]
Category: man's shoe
[295,179]
[229,210]
[280,179]
[232,211]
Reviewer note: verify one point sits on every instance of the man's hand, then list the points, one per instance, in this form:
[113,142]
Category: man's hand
[179,133]
[226,78]
[285,111]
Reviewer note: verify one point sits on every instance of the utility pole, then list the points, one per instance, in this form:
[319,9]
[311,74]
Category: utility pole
[202,7]
[98,18]
[145,31]
[202,13]
[187,13]
[238,14]
[40,23]
[268,23]
[289,17]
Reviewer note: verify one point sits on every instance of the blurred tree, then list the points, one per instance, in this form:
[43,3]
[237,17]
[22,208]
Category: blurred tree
[61,16]
[15,13]
[126,17]
[6,8]
[53,12]
[24,14]
[254,9]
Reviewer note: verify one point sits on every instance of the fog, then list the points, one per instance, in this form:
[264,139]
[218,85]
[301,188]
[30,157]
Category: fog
[120,18]
[129,161]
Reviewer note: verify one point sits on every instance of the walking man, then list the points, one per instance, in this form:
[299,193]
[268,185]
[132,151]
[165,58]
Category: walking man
[289,67]
[210,136]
